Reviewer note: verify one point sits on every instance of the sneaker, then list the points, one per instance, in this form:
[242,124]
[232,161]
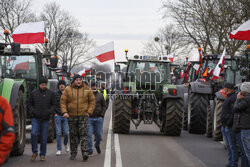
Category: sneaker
[34,155]
[58,152]
[98,149]
[42,158]
[72,157]
[66,148]
[85,157]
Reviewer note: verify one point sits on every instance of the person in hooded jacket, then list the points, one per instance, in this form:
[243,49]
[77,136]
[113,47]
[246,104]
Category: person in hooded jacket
[61,123]
[77,103]
[242,106]
[7,132]
[95,123]
[41,106]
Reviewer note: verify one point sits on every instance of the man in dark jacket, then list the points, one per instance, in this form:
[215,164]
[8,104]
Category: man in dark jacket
[242,106]
[41,106]
[60,121]
[227,116]
[96,120]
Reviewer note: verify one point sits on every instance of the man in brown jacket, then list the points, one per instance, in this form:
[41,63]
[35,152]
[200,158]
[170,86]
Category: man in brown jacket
[77,103]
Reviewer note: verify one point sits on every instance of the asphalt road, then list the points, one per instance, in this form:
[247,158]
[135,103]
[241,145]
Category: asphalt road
[144,147]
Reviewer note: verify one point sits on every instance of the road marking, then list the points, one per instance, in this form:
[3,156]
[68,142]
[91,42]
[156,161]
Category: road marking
[118,151]
[107,160]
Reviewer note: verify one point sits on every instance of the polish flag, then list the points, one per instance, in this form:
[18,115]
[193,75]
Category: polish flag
[84,72]
[198,66]
[218,70]
[105,52]
[171,57]
[29,33]
[242,33]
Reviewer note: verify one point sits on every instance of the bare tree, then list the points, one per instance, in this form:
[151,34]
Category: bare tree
[75,49]
[13,13]
[209,22]
[59,24]
[167,40]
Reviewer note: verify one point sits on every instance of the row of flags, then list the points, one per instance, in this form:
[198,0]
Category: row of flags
[31,33]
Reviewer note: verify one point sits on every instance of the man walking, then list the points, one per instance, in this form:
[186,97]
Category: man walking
[96,120]
[60,121]
[41,106]
[77,103]
[242,106]
[227,116]
[7,132]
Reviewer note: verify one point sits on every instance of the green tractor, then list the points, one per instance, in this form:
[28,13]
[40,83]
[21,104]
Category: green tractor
[202,91]
[146,94]
[20,71]
[236,72]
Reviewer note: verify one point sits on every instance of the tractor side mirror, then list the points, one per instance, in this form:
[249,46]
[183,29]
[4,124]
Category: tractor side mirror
[15,48]
[220,65]
[53,62]
[117,68]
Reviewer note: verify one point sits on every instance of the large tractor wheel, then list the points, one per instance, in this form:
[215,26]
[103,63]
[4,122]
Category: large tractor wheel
[172,124]
[121,116]
[19,125]
[217,136]
[209,127]
[185,114]
[197,113]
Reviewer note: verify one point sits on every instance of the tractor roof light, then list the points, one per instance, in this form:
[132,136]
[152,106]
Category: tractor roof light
[199,49]
[46,40]
[6,32]
[248,46]
[126,50]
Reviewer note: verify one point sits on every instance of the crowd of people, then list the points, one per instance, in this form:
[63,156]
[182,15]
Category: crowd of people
[235,119]
[78,111]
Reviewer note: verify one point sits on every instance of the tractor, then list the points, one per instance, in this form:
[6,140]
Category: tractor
[202,91]
[145,94]
[236,73]
[20,70]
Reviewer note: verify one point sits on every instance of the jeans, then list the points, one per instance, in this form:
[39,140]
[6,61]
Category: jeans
[61,123]
[43,126]
[230,139]
[244,162]
[95,127]
[245,138]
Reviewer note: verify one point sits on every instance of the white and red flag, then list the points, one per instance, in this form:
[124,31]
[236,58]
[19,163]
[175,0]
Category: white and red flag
[198,66]
[218,69]
[105,52]
[242,32]
[171,57]
[84,72]
[29,33]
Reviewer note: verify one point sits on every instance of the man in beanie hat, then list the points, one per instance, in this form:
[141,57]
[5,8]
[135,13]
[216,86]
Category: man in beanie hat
[242,106]
[77,103]
[96,120]
[227,116]
[61,123]
[41,106]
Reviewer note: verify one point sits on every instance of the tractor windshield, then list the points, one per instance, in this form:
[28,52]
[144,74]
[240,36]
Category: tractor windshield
[150,71]
[233,76]
[18,67]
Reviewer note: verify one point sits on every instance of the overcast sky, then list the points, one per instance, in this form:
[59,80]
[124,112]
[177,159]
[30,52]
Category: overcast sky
[128,23]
